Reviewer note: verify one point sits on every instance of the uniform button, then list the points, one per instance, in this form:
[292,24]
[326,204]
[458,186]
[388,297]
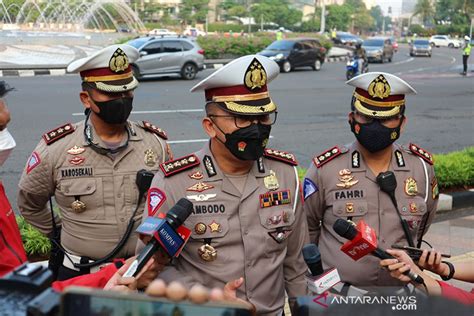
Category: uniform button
[246,232]
[67,190]
[116,168]
[88,187]
[339,212]
[119,195]
[122,219]
[383,240]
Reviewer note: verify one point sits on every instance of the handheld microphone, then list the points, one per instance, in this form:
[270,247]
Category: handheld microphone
[388,183]
[165,235]
[362,241]
[319,281]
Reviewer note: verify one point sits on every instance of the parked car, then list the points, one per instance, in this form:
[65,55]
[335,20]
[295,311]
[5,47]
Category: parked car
[420,47]
[345,38]
[163,32]
[167,55]
[378,49]
[445,41]
[194,32]
[296,52]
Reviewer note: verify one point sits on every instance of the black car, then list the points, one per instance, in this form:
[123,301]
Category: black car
[296,52]
[348,39]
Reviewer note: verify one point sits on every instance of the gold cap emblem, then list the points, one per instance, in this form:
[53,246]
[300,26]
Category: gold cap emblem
[255,76]
[119,61]
[379,88]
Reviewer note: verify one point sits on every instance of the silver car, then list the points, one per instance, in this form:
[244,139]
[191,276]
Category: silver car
[167,55]
[420,47]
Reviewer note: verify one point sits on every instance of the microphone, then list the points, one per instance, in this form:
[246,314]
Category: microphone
[319,281]
[363,241]
[165,234]
[388,183]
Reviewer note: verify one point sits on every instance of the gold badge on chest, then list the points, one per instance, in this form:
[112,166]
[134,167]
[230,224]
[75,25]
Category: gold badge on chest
[207,253]
[346,178]
[150,157]
[271,181]
[411,188]
[78,206]
[199,187]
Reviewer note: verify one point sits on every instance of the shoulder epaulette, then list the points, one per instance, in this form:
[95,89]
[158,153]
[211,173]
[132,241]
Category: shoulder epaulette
[175,166]
[417,150]
[281,156]
[58,133]
[327,156]
[155,129]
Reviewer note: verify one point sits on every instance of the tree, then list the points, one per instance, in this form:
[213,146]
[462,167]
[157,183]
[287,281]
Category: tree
[193,11]
[377,16]
[339,17]
[276,11]
[425,10]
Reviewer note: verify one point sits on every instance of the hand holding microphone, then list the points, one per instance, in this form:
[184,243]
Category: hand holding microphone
[166,235]
[363,241]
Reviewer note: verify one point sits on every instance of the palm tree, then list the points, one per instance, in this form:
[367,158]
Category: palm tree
[425,10]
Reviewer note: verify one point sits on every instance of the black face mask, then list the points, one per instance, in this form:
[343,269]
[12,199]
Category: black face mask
[115,111]
[374,136]
[249,142]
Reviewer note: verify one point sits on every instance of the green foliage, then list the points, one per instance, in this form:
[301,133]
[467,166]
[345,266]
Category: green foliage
[222,27]
[455,169]
[276,11]
[34,242]
[419,30]
[230,47]
[194,11]
[425,10]
[339,17]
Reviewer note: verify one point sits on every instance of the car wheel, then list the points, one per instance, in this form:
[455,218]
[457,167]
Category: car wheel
[390,59]
[317,65]
[451,45]
[349,74]
[432,44]
[286,67]
[382,59]
[189,71]
[136,72]
[411,54]
[429,55]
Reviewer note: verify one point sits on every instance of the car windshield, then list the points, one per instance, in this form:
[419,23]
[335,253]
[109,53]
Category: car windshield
[421,42]
[281,45]
[137,43]
[373,42]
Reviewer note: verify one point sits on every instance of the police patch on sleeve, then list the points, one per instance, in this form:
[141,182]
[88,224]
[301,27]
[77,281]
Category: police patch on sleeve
[156,198]
[32,162]
[309,187]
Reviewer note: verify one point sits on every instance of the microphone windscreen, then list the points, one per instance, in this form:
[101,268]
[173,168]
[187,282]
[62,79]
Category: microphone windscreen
[311,254]
[345,229]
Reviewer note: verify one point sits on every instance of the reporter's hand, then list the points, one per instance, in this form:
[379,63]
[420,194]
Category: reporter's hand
[150,274]
[122,284]
[431,260]
[400,264]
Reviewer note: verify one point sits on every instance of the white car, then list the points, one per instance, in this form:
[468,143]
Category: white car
[162,32]
[444,40]
[193,32]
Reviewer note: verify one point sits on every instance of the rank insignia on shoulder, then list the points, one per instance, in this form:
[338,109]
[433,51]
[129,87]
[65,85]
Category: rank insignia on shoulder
[326,156]
[58,133]
[155,129]
[175,166]
[281,156]
[417,150]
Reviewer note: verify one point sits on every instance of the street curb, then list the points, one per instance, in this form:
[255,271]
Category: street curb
[455,200]
[32,72]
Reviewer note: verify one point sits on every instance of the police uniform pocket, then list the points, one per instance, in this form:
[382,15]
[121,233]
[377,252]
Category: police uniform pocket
[413,210]
[81,198]
[277,225]
[350,208]
[208,227]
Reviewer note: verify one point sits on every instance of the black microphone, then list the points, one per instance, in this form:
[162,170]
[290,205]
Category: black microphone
[388,183]
[312,257]
[166,231]
[345,229]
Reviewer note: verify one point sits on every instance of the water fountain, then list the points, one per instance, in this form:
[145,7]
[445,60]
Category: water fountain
[64,15]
